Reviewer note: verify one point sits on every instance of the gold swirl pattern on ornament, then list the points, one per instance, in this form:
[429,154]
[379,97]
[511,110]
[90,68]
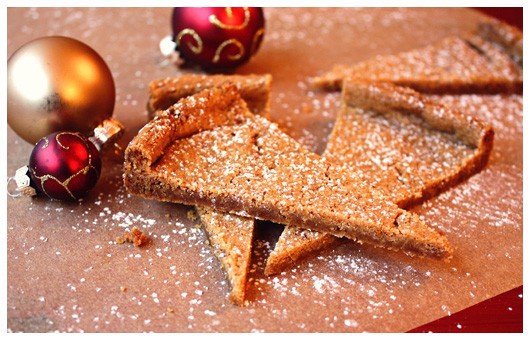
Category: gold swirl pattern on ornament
[59,142]
[195,49]
[46,142]
[64,184]
[259,33]
[225,43]
[215,21]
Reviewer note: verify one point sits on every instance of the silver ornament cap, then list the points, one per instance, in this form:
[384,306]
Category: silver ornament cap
[23,183]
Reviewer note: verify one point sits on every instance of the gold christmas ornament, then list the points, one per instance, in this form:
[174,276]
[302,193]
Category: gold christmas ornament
[57,84]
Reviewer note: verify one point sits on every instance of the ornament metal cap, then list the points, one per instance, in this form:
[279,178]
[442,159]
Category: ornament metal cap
[167,46]
[23,182]
[170,54]
[109,131]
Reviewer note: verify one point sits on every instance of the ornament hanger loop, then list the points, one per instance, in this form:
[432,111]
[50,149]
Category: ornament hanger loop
[16,192]
[23,183]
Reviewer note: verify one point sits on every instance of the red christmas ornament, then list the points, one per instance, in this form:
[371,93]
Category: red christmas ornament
[218,38]
[64,165]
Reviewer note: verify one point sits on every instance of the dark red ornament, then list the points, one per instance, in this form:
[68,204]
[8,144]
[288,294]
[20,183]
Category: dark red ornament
[217,37]
[64,165]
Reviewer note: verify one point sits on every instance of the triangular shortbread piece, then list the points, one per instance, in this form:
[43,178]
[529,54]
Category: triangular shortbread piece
[296,245]
[231,239]
[406,146]
[254,89]
[210,150]
[508,38]
[230,235]
[453,65]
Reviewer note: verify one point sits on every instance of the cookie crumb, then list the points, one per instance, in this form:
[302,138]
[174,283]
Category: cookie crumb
[136,237]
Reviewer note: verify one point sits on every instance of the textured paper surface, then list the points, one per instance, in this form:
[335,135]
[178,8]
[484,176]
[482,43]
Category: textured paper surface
[65,271]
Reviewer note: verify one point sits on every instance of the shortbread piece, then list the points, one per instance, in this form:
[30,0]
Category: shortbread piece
[401,143]
[406,145]
[296,245]
[453,65]
[509,38]
[210,150]
[254,88]
[231,239]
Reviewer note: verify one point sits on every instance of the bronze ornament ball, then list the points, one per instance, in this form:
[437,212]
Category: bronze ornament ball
[57,84]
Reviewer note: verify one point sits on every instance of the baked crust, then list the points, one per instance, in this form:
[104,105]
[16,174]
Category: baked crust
[509,38]
[230,235]
[477,63]
[406,146]
[296,245]
[231,239]
[209,150]
[254,89]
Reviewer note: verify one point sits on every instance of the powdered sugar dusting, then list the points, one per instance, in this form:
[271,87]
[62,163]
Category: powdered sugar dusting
[66,273]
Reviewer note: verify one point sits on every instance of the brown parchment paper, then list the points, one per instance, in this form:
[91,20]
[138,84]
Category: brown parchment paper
[65,271]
